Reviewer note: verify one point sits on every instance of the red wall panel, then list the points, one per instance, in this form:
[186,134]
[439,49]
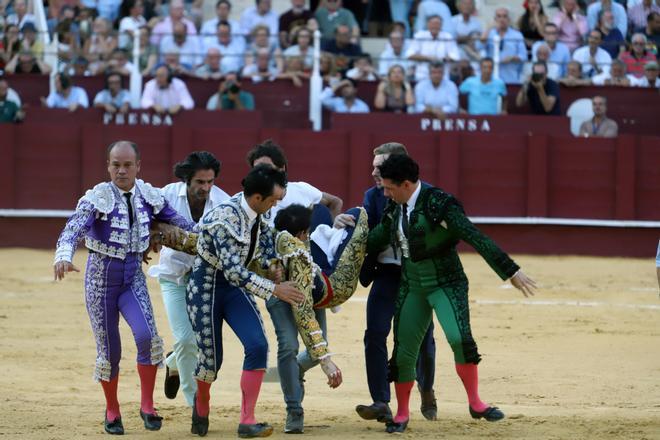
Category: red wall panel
[648,179]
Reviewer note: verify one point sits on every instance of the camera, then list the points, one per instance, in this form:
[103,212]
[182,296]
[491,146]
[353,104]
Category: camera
[233,88]
[537,77]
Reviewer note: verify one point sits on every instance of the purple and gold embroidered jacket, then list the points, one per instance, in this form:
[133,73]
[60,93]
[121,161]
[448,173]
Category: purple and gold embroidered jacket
[101,217]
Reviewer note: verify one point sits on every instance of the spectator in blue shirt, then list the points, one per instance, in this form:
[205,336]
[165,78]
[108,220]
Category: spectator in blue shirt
[436,95]
[512,47]
[559,52]
[484,92]
[540,92]
[66,95]
[113,98]
[348,102]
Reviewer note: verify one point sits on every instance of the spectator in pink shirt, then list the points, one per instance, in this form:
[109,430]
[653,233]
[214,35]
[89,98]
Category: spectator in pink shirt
[166,94]
[166,25]
[571,23]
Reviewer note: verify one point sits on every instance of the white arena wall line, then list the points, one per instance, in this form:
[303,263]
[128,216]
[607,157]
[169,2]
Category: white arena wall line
[63,213]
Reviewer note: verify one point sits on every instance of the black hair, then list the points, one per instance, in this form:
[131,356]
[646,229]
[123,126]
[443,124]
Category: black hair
[486,59]
[270,149]
[293,219]
[398,168]
[115,143]
[223,23]
[195,161]
[262,180]
[65,80]
[219,2]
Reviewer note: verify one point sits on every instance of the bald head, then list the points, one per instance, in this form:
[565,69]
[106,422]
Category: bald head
[123,164]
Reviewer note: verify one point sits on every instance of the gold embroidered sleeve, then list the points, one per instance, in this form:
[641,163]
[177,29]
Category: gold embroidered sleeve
[183,241]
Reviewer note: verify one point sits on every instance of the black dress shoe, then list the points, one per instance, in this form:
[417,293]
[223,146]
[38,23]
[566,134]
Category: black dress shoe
[429,406]
[491,414]
[172,382]
[152,422]
[253,431]
[379,411]
[115,427]
[200,425]
[392,427]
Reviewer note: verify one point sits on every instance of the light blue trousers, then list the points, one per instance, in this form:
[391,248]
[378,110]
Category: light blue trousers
[184,357]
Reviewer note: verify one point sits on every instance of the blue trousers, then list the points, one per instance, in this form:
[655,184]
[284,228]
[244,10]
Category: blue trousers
[381,305]
[211,301]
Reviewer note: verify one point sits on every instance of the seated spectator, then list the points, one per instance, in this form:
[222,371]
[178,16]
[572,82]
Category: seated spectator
[512,47]
[600,125]
[130,24]
[650,78]
[66,95]
[294,70]
[118,62]
[172,61]
[214,66]
[209,30]
[261,41]
[433,8]
[166,25]
[363,69]
[292,20]
[613,42]
[571,24]
[559,55]
[574,76]
[431,45]
[260,15]
[592,57]
[10,44]
[79,67]
[166,94]
[484,92]
[542,54]
[436,95]
[619,12]
[186,46]
[301,47]
[540,92]
[615,77]
[330,16]
[20,16]
[26,62]
[638,14]
[31,41]
[100,44]
[9,110]
[394,54]
[83,24]
[263,69]
[471,53]
[636,58]
[652,32]
[342,47]
[231,96]
[114,98]
[465,22]
[328,69]
[532,23]
[148,52]
[394,94]
[67,41]
[232,47]
[348,102]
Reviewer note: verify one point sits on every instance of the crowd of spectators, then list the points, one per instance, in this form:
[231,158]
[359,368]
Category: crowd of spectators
[433,53]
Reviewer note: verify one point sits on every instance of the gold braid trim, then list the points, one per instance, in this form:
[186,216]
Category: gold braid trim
[187,243]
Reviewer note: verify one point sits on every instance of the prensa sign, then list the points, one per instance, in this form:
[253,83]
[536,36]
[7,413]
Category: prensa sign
[455,124]
[137,118]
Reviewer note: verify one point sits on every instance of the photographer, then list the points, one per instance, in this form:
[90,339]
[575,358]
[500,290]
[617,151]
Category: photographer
[541,92]
[231,96]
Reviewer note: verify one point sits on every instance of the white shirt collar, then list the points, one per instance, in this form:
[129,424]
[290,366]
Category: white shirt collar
[122,192]
[251,213]
[413,198]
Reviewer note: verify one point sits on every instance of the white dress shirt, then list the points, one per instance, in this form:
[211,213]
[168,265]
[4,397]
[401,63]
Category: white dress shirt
[337,104]
[603,60]
[175,94]
[251,18]
[190,52]
[233,53]
[444,96]
[298,193]
[441,47]
[174,265]
[410,205]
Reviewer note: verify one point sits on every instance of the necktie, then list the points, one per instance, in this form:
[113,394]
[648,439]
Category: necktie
[130,209]
[253,239]
[404,219]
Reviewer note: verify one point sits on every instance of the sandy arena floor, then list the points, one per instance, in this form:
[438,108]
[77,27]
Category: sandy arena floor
[580,360]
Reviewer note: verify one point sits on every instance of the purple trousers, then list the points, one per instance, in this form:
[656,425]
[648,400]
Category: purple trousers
[114,286]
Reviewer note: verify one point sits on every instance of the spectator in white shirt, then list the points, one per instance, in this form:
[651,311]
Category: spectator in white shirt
[133,20]
[301,47]
[436,95]
[394,54]
[263,68]
[465,22]
[432,45]
[560,54]
[210,27]
[430,8]
[231,46]
[650,78]
[20,15]
[348,102]
[66,95]
[114,98]
[166,25]
[185,45]
[260,14]
[363,69]
[615,77]
[542,54]
[166,94]
[594,59]
[214,66]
